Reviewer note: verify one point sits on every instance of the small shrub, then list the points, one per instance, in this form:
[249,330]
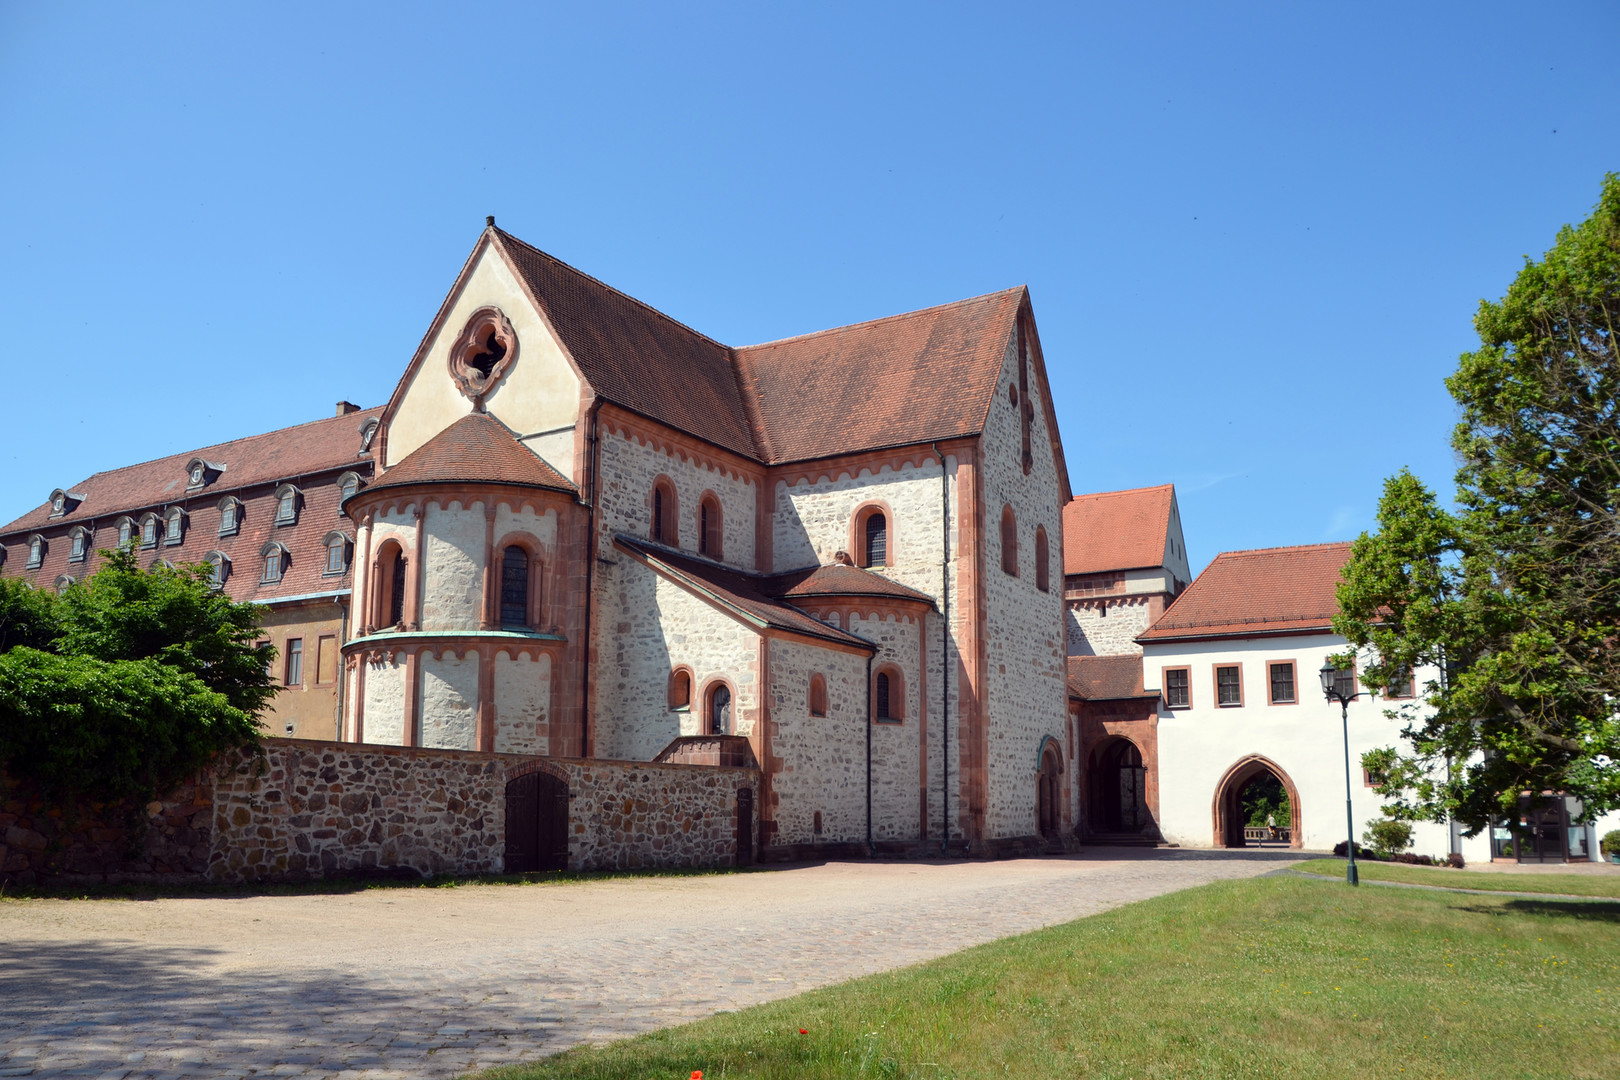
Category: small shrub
[1361,852]
[1388,837]
[1611,842]
[1455,860]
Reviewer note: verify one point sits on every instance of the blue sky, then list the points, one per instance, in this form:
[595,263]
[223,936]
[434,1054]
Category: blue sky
[1255,234]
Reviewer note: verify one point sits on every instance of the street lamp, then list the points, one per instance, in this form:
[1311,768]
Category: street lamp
[1339,685]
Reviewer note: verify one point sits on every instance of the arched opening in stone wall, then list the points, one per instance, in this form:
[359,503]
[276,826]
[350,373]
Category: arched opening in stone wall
[1049,792]
[1257,805]
[1116,783]
[536,823]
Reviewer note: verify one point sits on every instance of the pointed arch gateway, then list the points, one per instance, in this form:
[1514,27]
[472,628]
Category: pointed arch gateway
[1227,811]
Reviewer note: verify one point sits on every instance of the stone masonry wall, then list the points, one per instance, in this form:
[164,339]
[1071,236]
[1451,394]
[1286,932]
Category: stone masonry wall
[823,757]
[1092,633]
[1026,680]
[628,470]
[316,809]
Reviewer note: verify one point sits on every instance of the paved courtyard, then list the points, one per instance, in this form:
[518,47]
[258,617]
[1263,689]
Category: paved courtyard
[435,982]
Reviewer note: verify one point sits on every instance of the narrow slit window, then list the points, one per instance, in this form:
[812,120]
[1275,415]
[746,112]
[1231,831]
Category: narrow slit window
[883,696]
[396,593]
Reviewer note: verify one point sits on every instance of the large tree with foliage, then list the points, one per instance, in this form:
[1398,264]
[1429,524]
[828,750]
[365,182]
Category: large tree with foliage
[1514,598]
[126,684]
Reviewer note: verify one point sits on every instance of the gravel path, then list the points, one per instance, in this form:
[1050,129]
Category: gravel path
[434,982]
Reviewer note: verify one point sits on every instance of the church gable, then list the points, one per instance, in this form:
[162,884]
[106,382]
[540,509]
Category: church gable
[489,347]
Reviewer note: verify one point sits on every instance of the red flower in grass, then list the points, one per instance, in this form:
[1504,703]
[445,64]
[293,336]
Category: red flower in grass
[803,1032]
[697,1074]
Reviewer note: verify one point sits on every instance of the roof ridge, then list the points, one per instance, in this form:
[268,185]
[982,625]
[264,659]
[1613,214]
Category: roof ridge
[1291,547]
[881,319]
[1123,491]
[502,233]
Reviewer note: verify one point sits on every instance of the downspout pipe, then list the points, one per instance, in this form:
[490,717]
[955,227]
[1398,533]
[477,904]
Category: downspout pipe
[944,654]
[594,458]
[871,848]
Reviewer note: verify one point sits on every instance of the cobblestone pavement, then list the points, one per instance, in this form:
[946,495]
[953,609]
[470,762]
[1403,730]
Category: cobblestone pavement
[435,982]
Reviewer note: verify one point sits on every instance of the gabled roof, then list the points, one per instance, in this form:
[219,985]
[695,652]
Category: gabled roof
[291,452]
[903,380]
[475,449]
[914,378]
[1263,591]
[838,580]
[1117,530]
[1107,678]
[635,355]
[741,594]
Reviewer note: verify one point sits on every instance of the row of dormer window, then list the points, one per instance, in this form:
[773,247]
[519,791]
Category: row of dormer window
[169,527]
[275,560]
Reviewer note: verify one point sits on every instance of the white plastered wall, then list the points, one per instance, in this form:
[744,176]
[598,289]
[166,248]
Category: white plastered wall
[384,716]
[453,589]
[522,702]
[1198,745]
[449,701]
[538,394]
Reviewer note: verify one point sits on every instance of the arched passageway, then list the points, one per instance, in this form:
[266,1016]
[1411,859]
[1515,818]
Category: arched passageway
[1257,805]
[1116,782]
[1049,793]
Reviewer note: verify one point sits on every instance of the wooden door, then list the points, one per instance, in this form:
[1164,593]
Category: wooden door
[536,823]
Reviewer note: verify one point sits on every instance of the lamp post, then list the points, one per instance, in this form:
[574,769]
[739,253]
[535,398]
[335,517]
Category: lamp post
[1340,685]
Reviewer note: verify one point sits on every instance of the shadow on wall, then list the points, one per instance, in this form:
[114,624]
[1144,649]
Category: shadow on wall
[643,722]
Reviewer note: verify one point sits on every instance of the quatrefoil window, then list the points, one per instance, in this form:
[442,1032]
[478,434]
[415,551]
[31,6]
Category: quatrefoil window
[482,352]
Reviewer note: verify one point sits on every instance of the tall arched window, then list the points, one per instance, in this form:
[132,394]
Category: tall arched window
[1043,574]
[387,586]
[664,530]
[396,592]
[514,587]
[1009,542]
[719,710]
[889,695]
[680,689]
[875,540]
[709,530]
[818,695]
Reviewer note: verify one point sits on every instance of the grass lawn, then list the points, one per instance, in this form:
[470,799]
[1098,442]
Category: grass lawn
[1568,884]
[1273,977]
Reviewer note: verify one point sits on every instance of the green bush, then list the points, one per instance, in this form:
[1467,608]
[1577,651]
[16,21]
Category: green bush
[1611,843]
[1387,836]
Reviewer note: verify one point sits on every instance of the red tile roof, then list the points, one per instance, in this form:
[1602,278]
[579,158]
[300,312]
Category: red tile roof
[898,381]
[635,355]
[475,449]
[287,454]
[906,379]
[1264,591]
[743,593]
[1117,530]
[839,580]
[1107,678]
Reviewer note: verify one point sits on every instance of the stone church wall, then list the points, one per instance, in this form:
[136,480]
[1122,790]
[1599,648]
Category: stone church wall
[629,467]
[1026,679]
[333,809]
[522,698]
[651,627]
[384,716]
[449,708]
[895,752]
[823,757]
[1093,633]
[453,592]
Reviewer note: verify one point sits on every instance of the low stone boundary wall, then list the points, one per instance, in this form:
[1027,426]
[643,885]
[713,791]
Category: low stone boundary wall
[321,809]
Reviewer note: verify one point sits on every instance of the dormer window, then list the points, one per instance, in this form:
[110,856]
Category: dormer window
[149,530]
[337,554]
[63,581]
[174,525]
[36,551]
[126,531]
[219,568]
[275,561]
[230,516]
[288,499]
[368,431]
[348,485]
[64,502]
[80,539]
[201,473]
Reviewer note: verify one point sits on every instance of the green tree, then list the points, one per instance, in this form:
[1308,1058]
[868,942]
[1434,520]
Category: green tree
[1515,597]
[127,684]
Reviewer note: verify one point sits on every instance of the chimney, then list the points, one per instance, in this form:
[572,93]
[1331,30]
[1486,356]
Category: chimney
[344,408]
